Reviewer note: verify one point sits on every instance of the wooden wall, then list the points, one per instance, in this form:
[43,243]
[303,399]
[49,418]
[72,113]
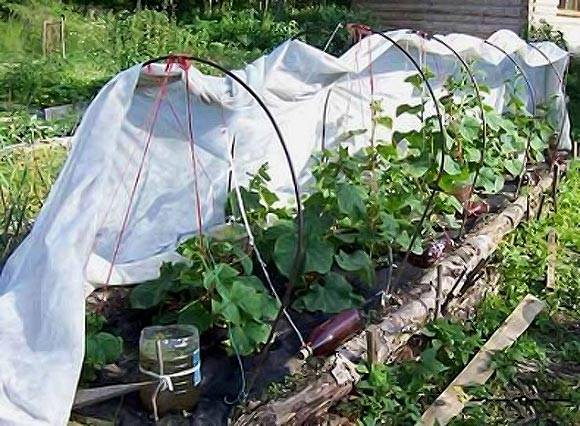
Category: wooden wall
[475,17]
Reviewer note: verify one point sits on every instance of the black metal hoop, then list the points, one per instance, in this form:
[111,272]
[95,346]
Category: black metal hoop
[483,120]
[532,95]
[443,147]
[299,255]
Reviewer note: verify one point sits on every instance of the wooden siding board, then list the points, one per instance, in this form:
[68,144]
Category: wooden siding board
[475,17]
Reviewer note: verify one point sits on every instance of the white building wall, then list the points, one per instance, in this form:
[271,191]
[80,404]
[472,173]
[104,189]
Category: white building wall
[569,25]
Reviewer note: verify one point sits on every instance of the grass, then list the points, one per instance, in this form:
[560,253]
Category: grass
[26,176]
[536,380]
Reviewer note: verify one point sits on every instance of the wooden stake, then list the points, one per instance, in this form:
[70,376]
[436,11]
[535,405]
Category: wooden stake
[372,348]
[62,43]
[44,37]
[551,261]
[478,371]
[439,290]
[91,396]
[555,184]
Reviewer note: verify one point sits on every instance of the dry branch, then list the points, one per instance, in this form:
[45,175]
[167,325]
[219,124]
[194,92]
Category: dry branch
[417,308]
[451,402]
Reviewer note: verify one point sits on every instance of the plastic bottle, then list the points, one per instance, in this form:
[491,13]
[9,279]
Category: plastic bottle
[179,346]
[326,337]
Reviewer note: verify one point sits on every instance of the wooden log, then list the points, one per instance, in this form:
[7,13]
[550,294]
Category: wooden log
[418,304]
[451,402]
[463,307]
[91,396]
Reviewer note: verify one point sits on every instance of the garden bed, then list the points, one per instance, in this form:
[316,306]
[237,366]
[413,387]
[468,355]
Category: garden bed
[306,390]
[326,385]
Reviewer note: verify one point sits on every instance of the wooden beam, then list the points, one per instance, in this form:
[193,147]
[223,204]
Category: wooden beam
[451,402]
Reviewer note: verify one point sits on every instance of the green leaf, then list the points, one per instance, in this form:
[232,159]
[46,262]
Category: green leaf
[389,226]
[409,109]
[248,337]
[472,155]
[152,293]
[103,348]
[385,121]
[537,143]
[404,239]
[514,166]
[334,296]
[319,254]
[196,314]
[148,295]
[450,166]
[358,262]
[469,128]
[350,134]
[227,309]
[416,80]
[416,169]
[221,273]
[490,181]
[350,201]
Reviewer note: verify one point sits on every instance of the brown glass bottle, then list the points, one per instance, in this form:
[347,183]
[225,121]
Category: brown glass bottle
[326,337]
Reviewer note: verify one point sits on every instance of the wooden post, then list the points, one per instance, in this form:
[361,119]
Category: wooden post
[438,293]
[551,260]
[44,30]
[62,43]
[555,184]
[372,348]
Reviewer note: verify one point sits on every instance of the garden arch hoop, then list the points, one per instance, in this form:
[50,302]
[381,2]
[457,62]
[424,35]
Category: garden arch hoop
[483,121]
[300,252]
[532,95]
[443,146]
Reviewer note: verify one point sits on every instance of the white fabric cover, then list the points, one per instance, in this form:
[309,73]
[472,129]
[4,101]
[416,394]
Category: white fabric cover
[44,284]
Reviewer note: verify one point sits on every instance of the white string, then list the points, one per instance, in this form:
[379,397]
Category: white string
[258,255]
[242,393]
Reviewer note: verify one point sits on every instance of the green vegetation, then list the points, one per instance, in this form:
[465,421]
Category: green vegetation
[362,210]
[536,378]
[101,347]
[26,176]
[101,42]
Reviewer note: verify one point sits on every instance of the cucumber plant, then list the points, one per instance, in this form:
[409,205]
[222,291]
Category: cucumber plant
[361,207]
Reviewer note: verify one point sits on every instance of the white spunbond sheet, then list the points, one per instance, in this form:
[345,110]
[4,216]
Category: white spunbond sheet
[127,191]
